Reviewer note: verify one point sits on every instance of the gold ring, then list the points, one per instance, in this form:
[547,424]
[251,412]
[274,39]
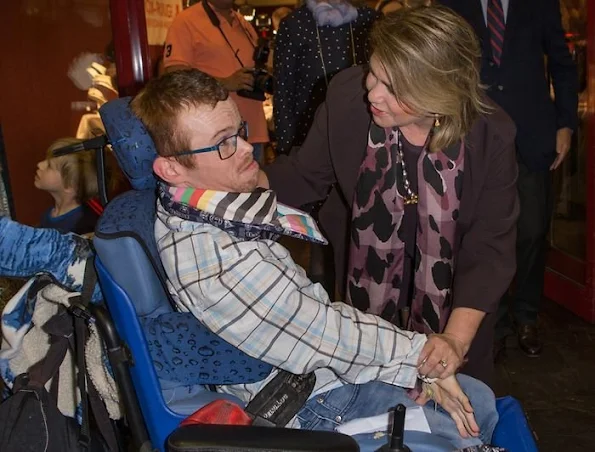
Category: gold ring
[443,363]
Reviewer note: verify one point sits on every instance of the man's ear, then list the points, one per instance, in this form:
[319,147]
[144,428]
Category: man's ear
[169,170]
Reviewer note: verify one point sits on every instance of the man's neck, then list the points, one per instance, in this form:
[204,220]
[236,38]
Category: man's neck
[63,203]
[227,13]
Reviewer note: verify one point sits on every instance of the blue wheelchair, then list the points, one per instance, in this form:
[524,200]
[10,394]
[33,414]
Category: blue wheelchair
[155,352]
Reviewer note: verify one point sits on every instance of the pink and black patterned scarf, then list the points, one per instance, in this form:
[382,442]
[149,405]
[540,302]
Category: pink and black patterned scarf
[377,252]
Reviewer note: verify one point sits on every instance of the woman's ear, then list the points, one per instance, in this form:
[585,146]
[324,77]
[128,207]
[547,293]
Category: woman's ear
[169,170]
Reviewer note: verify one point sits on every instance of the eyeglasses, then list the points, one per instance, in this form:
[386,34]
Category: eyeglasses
[227,147]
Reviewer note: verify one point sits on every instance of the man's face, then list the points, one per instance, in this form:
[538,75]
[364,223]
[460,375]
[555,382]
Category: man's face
[206,127]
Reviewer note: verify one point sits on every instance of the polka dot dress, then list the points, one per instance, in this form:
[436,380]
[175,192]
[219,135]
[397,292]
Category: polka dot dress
[299,75]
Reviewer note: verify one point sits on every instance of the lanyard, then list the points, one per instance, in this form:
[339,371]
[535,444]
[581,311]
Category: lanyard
[217,23]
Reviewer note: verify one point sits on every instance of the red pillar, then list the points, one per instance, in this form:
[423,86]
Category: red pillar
[129,29]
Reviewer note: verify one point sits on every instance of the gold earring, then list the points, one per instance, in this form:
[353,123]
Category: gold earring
[436,121]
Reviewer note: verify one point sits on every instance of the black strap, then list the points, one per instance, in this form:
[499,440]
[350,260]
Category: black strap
[102,419]
[89,282]
[55,386]
[281,399]
[88,392]
[80,330]
[216,23]
[80,334]
[47,367]
[89,395]
[59,328]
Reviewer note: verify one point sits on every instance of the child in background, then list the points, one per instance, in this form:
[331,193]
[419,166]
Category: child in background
[72,182]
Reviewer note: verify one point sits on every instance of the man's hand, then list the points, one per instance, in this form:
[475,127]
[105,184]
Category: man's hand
[241,79]
[441,356]
[449,395]
[563,139]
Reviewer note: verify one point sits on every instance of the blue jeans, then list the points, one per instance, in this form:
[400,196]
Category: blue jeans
[328,410]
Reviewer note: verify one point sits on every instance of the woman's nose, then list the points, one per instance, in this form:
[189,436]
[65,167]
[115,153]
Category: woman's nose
[374,95]
[372,88]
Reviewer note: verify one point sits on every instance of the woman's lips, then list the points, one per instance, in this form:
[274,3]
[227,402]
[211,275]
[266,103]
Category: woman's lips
[375,111]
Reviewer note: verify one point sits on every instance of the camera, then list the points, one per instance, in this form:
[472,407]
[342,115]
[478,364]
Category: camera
[263,81]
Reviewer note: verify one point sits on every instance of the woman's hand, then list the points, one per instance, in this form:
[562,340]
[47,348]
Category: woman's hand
[441,356]
[449,395]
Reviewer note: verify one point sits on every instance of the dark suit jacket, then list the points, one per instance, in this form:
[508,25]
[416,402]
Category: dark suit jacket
[519,85]
[486,229]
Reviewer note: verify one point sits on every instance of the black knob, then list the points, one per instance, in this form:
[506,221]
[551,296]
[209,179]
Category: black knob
[396,438]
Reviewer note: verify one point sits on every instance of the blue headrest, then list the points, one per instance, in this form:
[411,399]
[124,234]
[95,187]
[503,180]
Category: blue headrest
[132,144]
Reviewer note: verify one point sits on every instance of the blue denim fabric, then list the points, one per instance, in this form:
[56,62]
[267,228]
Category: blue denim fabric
[26,252]
[328,410]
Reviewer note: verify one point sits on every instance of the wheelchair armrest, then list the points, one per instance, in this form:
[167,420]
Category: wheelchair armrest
[223,438]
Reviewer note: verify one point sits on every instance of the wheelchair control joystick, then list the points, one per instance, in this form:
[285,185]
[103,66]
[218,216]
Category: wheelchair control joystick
[396,438]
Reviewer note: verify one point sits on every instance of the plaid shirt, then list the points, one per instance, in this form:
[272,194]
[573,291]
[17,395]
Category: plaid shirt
[253,295]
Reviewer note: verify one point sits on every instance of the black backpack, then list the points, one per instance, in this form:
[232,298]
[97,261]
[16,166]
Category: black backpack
[30,419]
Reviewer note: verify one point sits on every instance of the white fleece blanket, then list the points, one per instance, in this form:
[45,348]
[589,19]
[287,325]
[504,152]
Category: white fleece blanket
[25,343]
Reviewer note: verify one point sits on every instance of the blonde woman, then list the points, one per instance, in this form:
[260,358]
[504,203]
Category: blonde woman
[422,171]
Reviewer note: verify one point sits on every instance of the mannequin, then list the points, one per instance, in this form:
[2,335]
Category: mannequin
[99,93]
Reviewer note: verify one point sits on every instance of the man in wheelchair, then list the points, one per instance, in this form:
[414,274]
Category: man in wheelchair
[216,233]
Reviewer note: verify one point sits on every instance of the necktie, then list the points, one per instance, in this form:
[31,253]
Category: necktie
[496,27]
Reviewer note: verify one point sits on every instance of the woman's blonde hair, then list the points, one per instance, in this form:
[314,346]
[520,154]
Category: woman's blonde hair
[432,57]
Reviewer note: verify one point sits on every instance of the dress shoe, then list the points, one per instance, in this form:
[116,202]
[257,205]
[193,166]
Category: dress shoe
[529,341]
